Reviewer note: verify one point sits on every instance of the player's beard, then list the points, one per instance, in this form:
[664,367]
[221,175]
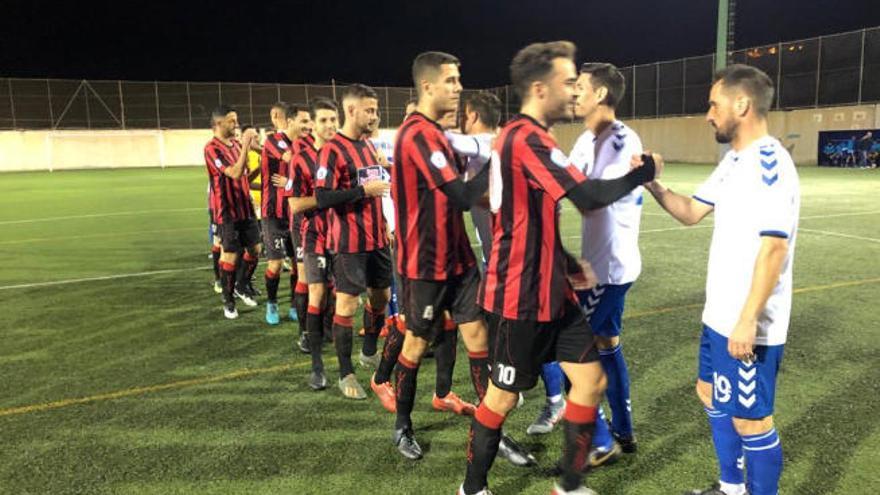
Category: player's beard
[724,135]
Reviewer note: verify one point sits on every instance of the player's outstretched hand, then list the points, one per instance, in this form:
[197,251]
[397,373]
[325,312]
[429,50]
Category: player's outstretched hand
[646,157]
[376,188]
[279,180]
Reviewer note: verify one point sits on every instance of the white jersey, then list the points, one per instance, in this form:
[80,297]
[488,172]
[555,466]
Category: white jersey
[610,235]
[384,144]
[755,193]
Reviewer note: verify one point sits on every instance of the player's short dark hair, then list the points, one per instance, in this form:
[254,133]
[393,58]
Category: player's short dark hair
[322,103]
[295,108]
[487,106]
[535,63]
[430,61]
[752,81]
[221,111]
[280,105]
[609,77]
[359,91]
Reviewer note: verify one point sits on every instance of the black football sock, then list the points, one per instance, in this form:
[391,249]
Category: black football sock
[390,353]
[273,280]
[444,356]
[215,259]
[227,281]
[373,323]
[315,330]
[580,421]
[342,339]
[406,373]
[479,369]
[482,447]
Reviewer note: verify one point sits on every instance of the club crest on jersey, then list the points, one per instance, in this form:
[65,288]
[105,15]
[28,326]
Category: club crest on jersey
[322,173]
[218,163]
[282,145]
[559,158]
[438,159]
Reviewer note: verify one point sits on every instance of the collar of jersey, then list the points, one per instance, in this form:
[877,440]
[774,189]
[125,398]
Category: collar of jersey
[530,119]
[762,141]
[427,119]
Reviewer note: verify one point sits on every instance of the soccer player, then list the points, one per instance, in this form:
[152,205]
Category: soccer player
[610,243]
[755,196]
[482,116]
[530,280]
[302,138]
[277,150]
[434,258]
[349,183]
[313,229]
[233,210]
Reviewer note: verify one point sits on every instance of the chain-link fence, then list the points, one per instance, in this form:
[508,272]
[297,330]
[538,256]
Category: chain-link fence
[831,70]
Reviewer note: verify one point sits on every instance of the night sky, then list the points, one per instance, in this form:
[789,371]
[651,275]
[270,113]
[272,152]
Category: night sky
[374,42]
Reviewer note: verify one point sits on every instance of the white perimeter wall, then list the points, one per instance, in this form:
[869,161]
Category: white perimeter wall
[679,139]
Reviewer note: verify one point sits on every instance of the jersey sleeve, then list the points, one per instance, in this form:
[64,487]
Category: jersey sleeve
[217,162]
[776,196]
[548,168]
[432,156]
[329,162]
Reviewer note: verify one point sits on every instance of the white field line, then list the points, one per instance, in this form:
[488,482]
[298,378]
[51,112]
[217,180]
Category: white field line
[839,234]
[179,270]
[99,215]
[106,277]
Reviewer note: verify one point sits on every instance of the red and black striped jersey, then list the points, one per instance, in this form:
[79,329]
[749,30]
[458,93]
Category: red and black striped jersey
[230,197]
[432,243]
[303,142]
[526,278]
[358,226]
[313,229]
[273,204]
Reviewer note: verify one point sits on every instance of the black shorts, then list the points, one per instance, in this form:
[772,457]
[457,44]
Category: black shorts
[354,272]
[276,238]
[237,235]
[521,347]
[317,268]
[425,301]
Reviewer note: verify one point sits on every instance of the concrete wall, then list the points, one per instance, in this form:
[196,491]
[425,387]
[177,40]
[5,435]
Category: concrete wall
[679,139]
[691,140]
[59,150]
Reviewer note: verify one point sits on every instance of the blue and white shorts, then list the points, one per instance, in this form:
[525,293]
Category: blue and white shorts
[741,389]
[603,306]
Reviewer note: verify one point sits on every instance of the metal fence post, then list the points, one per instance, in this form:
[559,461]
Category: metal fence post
[156,94]
[862,65]
[121,103]
[11,103]
[387,106]
[818,72]
[49,95]
[634,92]
[656,89]
[88,112]
[278,91]
[251,103]
[189,110]
[306,91]
[778,74]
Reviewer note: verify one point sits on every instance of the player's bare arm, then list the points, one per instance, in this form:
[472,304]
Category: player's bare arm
[685,209]
[768,267]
